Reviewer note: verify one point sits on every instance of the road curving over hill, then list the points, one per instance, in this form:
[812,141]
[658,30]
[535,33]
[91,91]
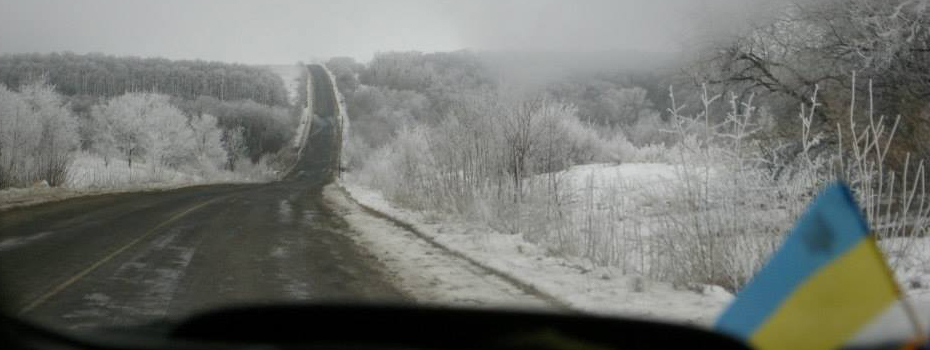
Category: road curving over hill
[134,258]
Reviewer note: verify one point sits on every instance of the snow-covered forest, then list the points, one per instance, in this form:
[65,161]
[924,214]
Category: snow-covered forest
[95,121]
[689,173]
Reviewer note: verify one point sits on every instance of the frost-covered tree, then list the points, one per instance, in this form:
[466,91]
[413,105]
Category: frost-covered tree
[172,140]
[19,135]
[144,126]
[650,129]
[109,76]
[779,60]
[59,132]
[234,143]
[208,142]
[522,126]
[626,105]
[38,135]
[785,54]
[346,71]
[378,113]
[119,126]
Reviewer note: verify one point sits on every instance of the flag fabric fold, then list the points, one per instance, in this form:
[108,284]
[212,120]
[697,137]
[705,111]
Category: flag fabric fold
[821,287]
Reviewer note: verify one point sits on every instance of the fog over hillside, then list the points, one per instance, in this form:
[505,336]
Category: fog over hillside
[279,32]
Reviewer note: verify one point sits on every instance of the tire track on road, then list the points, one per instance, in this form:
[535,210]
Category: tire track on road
[77,277]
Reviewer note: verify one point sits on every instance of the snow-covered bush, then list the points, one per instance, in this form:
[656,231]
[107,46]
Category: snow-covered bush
[649,129]
[208,143]
[149,134]
[39,140]
[620,150]
[18,132]
[236,147]
[356,152]
[147,127]
[402,169]
[38,136]
[378,112]
[730,212]
[142,127]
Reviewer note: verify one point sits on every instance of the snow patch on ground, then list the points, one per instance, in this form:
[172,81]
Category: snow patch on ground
[14,242]
[342,118]
[640,173]
[306,118]
[147,288]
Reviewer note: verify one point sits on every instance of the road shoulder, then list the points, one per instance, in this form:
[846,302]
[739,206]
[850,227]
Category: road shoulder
[423,271]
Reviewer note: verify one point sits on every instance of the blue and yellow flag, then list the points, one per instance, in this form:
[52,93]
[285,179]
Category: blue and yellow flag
[826,282]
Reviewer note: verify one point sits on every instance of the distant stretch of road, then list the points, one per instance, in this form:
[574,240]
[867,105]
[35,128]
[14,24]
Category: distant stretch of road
[133,258]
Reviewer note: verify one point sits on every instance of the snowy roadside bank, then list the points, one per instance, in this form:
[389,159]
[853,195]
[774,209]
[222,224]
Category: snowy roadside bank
[575,284]
[428,274]
[23,197]
[90,175]
[342,119]
[12,198]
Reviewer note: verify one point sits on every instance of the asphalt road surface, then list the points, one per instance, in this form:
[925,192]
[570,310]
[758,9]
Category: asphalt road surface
[128,259]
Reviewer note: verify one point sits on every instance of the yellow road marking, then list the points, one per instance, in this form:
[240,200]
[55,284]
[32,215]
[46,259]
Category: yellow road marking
[44,297]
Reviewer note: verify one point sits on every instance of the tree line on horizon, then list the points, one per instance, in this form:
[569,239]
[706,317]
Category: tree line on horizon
[107,76]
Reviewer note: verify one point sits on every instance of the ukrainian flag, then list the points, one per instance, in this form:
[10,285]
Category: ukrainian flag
[826,282]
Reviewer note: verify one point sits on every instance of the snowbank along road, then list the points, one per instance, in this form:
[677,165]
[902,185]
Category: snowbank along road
[134,258]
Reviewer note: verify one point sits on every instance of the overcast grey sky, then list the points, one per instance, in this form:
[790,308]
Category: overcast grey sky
[280,31]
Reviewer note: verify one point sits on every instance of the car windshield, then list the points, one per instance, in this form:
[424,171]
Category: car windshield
[625,158]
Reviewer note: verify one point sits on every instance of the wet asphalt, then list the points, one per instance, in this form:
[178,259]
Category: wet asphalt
[129,259]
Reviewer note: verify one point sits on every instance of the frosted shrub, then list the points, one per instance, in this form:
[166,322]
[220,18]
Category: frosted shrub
[619,149]
[894,200]
[375,172]
[38,136]
[650,129]
[401,169]
[356,152]
[18,137]
[651,153]
[732,212]
[725,218]
[208,144]
[262,170]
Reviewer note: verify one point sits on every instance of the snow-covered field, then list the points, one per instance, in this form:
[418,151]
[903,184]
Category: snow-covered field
[581,285]
[652,175]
